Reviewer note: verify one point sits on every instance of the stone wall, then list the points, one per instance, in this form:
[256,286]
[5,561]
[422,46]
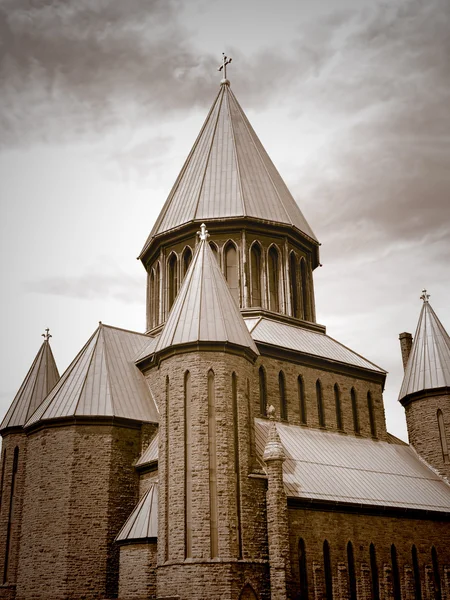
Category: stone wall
[137,571]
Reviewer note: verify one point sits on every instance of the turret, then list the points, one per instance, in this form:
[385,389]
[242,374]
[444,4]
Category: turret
[425,391]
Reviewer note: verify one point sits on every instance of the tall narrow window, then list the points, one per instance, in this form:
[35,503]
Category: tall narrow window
[320,407]
[172,279]
[262,392]
[293,276]
[305,290]
[416,571]
[283,399]
[188,464]
[374,574]
[11,516]
[337,400]
[255,266]
[444,445]
[151,293]
[3,474]
[213,509]
[236,460]
[167,467]
[274,279]
[303,570]
[187,257]
[351,571]
[327,570]
[395,574]
[231,270]
[302,399]
[156,293]
[354,410]
[215,251]
[373,425]
[436,574]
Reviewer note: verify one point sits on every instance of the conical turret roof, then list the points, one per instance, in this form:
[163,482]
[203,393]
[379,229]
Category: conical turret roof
[41,378]
[228,174]
[102,381]
[428,365]
[204,310]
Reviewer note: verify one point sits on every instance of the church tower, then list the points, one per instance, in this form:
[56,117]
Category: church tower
[425,391]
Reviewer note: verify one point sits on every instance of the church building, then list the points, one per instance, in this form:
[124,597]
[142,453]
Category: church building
[233,450]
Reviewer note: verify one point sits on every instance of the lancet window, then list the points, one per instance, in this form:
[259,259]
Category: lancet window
[231,270]
[293,276]
[395,574]
[337,400]
[416,572]
[302,399]
[354,410]
[320,406]
[283,399]
[262,392]
[351,571]
[306,313]
[255,274]
[443,437]
[274,279]
[373,425]
[303,569]
[172,279]
[374,573]
[436,574]
[187,257]
[327,571]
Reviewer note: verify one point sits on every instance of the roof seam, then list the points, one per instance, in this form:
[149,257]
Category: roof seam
[87,370]
[233,137]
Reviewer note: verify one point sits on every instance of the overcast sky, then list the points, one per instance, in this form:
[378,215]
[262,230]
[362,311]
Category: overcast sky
[102,100]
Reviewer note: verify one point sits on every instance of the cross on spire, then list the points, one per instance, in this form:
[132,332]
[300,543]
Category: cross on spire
[424,296]
[203,233]
[223,67]
[46,335]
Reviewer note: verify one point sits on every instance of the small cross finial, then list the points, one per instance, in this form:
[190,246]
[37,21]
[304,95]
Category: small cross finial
[46,335]
[203,233]
[223,67]
[424,296]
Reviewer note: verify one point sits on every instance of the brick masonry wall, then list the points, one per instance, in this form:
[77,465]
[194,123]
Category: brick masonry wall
[8,576]
[423,430]
[137,571]
[338,528]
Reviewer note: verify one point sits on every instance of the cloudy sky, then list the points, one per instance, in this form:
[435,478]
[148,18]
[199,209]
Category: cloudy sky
[101,101]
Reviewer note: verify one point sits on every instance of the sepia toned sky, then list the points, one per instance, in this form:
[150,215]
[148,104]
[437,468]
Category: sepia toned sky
[101,100]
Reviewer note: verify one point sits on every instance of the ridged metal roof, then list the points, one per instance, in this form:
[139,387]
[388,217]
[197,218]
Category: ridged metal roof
[143,521]
[428,365]
[204,310]
[150,454]
[148,349]
[332,467]
[102,381]
[41,378]
[305,341]
[227,174]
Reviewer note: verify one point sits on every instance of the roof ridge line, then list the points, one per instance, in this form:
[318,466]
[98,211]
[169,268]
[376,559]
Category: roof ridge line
[35,379]
[214,282]
[233,137]
[88,369]
[152,488]
[127,330]
[201,249]
[135,510]
[347,348]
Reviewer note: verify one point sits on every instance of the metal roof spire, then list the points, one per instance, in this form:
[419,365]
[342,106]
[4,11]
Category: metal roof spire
[223,67]
[203,233]
[424,296]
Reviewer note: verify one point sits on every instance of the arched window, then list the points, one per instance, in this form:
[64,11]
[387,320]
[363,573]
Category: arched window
[11,515]
[248,593]
[283,399]
[416,571]
[354,410]
[156,295]
[215,250]
[187,257]
[3,474]
[444,445]
[172,279]
[373,425]
[293,276]
[151,293]
[255,274]
[305,290]
[320,407]
[188,465]
[212,447]
[327,571]
[262,392]
[436,574]
[302,399]
[395,574]
[374,574]
[231,270]
[351,571]
[303,570]
[274,279]
[337,399]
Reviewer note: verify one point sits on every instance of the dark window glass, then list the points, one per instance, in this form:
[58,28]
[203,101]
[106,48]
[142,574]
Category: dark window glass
[274,279]
[327,571]
[303,570]
[302,399]
[436,574]
[293,275]
[262,392]
[351,571]
[231,270]
[374,574]
[320,407]
[416,571]
[443,437]
[283,399]
[337,399]
[173,279]
[187,258]
[355,410]
[395,574]
[373,426]
[305,290]
[255,265]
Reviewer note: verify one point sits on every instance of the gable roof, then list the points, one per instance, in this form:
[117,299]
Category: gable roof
[40,379]
[142,524]
[228,174]
[204,310]
[102,381]
[428,365]
[332,467]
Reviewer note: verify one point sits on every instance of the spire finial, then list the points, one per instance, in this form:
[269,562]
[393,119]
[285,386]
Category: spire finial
[424,296]
[223,67]
[203,233]
[46,335]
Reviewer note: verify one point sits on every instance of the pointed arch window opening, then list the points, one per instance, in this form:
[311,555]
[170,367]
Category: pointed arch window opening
[172,279]
[442,436]
[283,398]
[351,571]
[355,414]
[187,259]
[157,295]
[306,312]
[416,572]
[302,400]
[294,287]
[436,574]
[262,392]
[327,571]
[151,293]
[374,573]
[232,270]
[256,275]
[274,279]
[395,574]
[303,569]
[215,251]
[337,399]
[320,406]
[372,422]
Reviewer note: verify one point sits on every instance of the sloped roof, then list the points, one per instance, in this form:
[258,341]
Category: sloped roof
[296,338]
[428,365]
[143,521]
[102,381]
[150,454]
[204,310]
[328,466]
[40,379]
[147,350]
[227,174]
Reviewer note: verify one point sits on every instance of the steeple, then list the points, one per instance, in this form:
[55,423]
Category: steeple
[40,379]
[204,310]
[428,366]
